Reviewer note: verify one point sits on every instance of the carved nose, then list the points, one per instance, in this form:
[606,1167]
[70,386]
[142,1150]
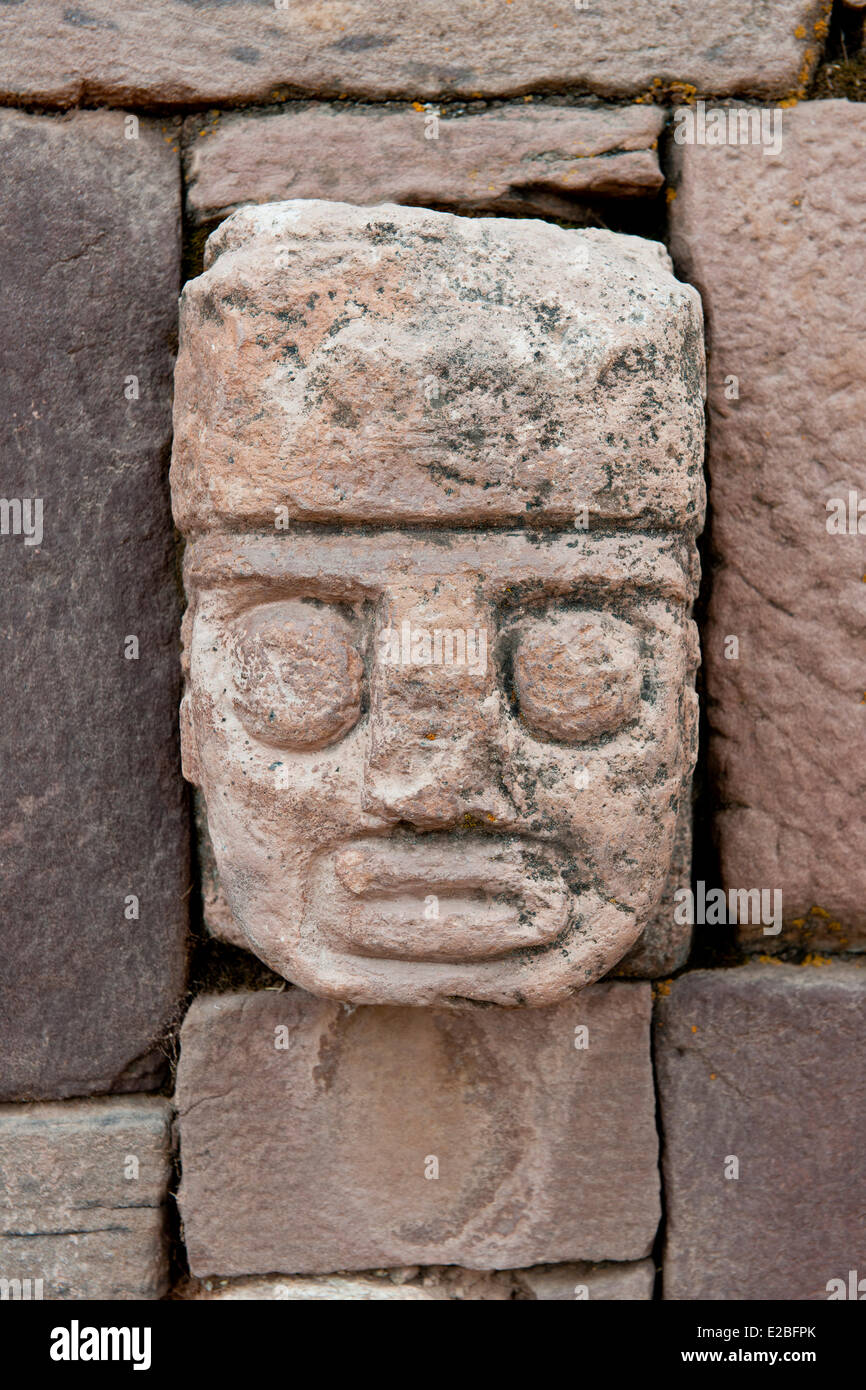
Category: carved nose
[436,714]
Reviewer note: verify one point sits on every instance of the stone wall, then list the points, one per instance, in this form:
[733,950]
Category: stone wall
[686,1127]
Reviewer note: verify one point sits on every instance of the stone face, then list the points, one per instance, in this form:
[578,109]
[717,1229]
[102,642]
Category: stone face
[92,804]
[787,715]
[541,159]
[443,764]
[328,883]
[307,1129]
[758,1064]
[245,50]
[83,1188]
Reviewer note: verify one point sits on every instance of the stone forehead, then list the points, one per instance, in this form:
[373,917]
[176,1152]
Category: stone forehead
[398,365]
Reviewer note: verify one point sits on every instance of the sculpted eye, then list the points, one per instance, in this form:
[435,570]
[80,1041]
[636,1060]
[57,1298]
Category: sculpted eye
[297,674]
[577,675]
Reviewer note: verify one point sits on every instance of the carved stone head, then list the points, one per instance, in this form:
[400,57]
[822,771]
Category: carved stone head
[440,480]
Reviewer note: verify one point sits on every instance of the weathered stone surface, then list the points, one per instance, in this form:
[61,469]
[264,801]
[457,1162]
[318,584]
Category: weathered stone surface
[92,802]
[332,1288]
[432,1285]
[787,715]
[545,1283]
[664,944]
[546,160]
[83,1187]
[758,1064]
[310,1156]
[212,51]
[581,1282]
[444,765]
[318,373]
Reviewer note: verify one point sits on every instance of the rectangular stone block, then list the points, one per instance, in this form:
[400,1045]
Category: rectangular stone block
[171,52]
[763,1105]
[316,1136]
[784,647]
[521,159]
[94,864]
[83,1188]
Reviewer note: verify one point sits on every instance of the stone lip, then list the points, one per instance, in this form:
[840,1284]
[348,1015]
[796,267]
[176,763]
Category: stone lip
[398,365]
[512,160]
[306,1128]
[172,52]
[431,898]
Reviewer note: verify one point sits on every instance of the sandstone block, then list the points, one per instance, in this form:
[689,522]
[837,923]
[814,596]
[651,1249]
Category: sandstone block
[93,871]
[762,1108]
[83,1188]
[786,709]
[174,53]
[316,1136]
[545,160]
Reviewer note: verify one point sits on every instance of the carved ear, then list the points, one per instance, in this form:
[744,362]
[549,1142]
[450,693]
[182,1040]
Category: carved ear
[188,750]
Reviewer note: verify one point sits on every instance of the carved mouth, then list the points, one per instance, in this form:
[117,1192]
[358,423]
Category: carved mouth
[441,897]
